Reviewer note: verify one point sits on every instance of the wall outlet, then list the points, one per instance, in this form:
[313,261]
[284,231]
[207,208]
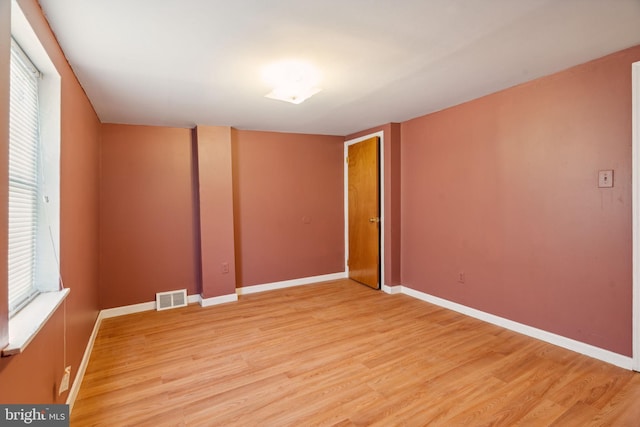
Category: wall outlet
[64,383]
[461,277]
[605,179]
[225,267]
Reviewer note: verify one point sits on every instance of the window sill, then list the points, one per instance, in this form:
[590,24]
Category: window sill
[26,324]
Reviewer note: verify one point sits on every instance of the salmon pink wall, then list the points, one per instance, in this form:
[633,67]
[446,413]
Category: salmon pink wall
[33,376]
[146,214]
[504,189]
[288,204]
[391,181]
[179,207]
[79,157]
[212,146]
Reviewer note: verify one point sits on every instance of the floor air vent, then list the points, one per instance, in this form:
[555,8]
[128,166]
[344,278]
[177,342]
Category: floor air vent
[171,299]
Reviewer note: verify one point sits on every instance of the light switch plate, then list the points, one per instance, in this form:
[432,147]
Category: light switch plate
[605,179]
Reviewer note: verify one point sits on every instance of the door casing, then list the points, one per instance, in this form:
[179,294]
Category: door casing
[380,135]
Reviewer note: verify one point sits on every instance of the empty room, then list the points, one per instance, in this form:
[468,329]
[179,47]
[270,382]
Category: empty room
[320,213]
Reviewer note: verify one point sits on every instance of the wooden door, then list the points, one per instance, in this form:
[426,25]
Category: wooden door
[364,212]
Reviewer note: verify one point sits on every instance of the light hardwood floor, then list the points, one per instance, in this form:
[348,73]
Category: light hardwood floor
[339,353]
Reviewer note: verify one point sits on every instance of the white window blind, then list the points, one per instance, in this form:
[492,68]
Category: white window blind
[23,179]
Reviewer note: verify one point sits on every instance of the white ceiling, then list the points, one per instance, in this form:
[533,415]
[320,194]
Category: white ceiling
[187,62]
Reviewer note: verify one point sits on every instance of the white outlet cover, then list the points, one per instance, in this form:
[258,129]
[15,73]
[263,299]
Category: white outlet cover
[64,383]
[605,179]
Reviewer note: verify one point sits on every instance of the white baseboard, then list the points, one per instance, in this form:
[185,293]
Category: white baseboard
[126,309]
[208,302]
[568,343]
[391,290]
[137,308]
[289,283]
[75,387]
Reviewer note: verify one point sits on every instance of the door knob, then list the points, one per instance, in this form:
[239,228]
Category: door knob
[375,219]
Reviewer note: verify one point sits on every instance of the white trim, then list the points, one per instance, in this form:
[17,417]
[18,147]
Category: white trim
[77,382]
[222,299]
[379,134]
[246,290]
[127,309]
[635,197]
[391,290]
[25,325]
[569,344]
[137,308]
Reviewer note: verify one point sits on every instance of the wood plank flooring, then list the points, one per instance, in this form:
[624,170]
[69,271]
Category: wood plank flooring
[339,353]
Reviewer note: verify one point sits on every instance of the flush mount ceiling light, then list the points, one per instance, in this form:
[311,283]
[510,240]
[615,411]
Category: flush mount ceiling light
[292,81]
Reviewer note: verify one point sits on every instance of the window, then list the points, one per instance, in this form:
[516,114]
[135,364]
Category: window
[24,177]
[34,186]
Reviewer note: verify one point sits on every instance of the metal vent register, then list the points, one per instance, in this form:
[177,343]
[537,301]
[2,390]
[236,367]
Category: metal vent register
[171,299]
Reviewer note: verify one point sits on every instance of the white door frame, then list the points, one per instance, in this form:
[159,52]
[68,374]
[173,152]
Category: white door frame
[635,162]
[379,134]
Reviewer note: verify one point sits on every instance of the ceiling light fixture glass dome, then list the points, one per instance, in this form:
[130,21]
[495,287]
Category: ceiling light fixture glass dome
[292,81]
